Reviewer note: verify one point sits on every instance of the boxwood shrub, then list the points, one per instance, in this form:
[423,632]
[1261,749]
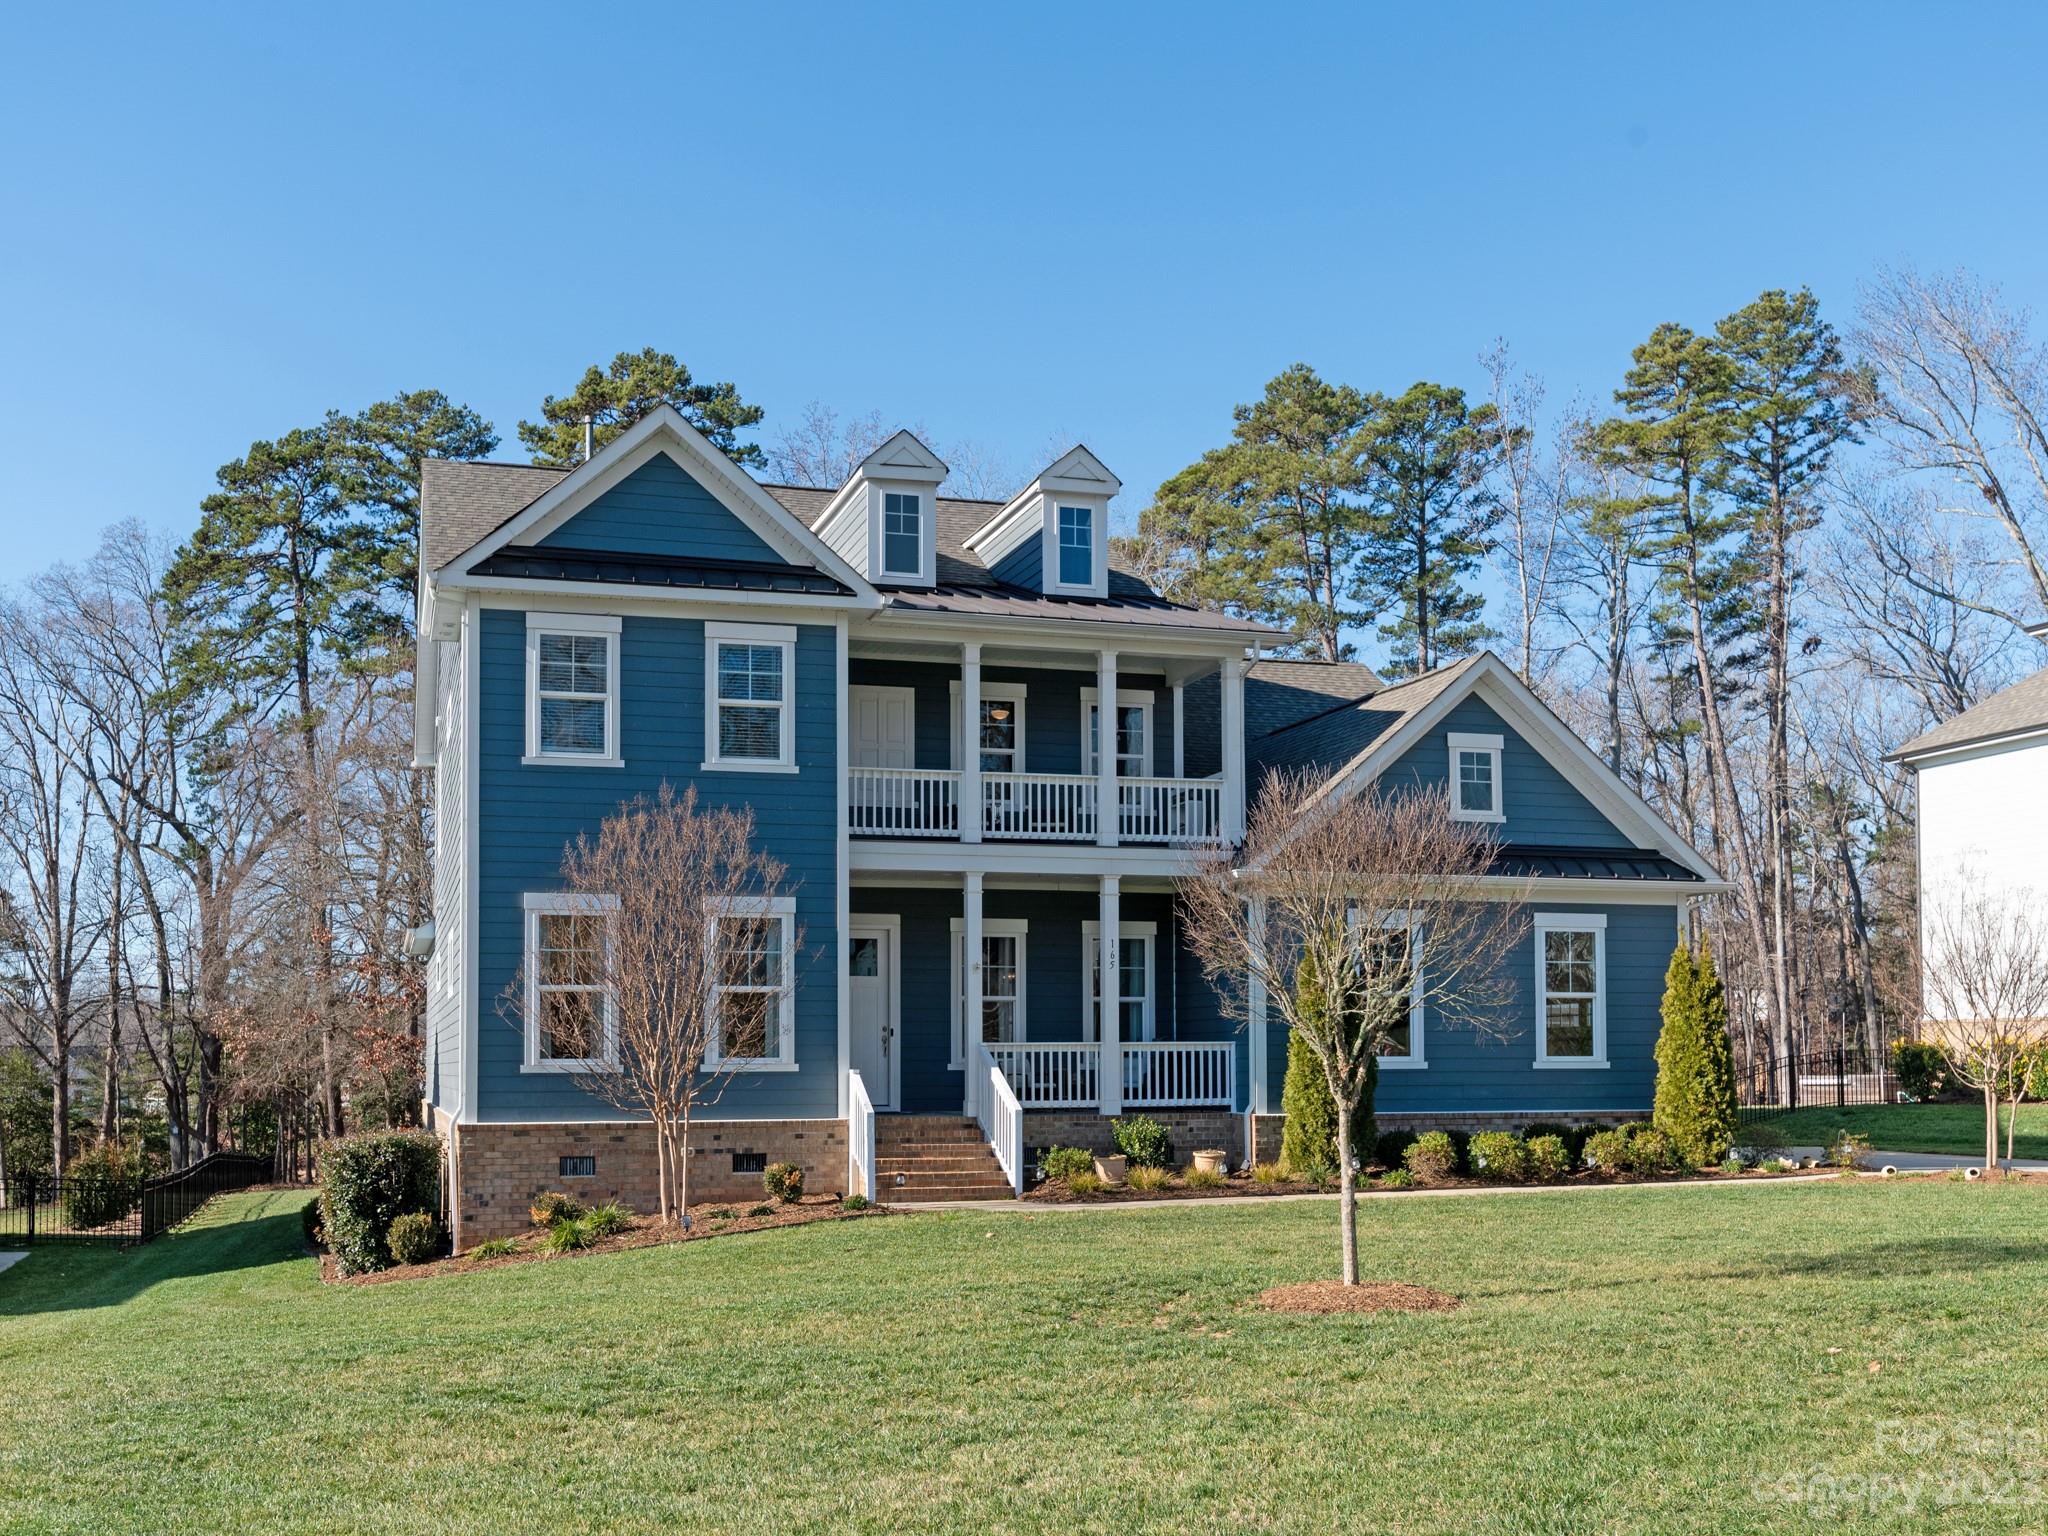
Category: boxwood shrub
[1065,1162]
[1389,1147]
[369,1181]
[1550,1159]
[1143,1141]
[415,1237]
[1432,1155]
[784,1182]
[1499,1157]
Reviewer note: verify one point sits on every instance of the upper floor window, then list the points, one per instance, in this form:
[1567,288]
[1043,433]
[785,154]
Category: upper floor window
[1077,546]
[1475,778]
[572,688]
[1571,989]
[571,1019]
[753,1004]
[902,535]
[748,670]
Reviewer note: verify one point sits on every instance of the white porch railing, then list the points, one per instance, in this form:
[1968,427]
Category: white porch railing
[1180,811]
[1052,1076]
[1059,806]
[903,802]
[860,1138]
[1039,807]
[1002,1120]
[1181,1073]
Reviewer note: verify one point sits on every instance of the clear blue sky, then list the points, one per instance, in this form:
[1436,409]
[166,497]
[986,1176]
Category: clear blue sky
[1102,221]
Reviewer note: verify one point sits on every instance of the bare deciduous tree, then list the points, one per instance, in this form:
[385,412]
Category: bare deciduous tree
[1983,974]
[668,968]
[1344,912]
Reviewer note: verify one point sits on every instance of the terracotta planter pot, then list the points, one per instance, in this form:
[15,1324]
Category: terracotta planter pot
[1212,1160]
[1111,1170]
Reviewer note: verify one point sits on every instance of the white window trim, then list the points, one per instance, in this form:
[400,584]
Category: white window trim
[1417,1057]
[991,927]
[1140,698]
[1053,581]
[783,909]
[1594,923]
[538,624]
[916,572]
[1091,955]
[1008,693]
[1462,741]
[538,904]
[783,635]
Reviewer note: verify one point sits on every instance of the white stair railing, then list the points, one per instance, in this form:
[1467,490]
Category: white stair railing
[1002,1120]
[860,1139]
[903,802]
[1182,1073]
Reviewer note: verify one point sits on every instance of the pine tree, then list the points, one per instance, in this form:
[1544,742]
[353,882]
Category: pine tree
[1695,1101]
[1308,1139]
[615,397]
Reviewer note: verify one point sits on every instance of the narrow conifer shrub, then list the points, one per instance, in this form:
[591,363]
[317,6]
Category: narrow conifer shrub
[1695,1101]
[1308,1139]
[369,1181]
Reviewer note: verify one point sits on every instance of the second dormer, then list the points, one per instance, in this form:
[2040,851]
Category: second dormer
[1053,536]
[884,519]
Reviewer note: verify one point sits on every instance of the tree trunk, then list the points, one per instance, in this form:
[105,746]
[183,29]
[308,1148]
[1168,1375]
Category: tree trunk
[1990,1122]
[1347,1194]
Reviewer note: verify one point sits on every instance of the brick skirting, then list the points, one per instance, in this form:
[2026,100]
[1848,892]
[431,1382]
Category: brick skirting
[1189,1128]
[498,1169]
[1476,1120]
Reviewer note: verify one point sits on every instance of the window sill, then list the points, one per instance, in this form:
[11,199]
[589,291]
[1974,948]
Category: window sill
[569,760]
[1493,820]
[750,1066]
[569,1068]
[746,767]
[1402,1064]
[1567,1064]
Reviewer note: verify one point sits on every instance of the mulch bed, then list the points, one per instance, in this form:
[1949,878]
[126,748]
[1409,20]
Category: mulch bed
[1327,1296]
[707,1221]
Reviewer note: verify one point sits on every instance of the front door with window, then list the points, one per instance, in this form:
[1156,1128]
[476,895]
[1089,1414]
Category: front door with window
[871,965]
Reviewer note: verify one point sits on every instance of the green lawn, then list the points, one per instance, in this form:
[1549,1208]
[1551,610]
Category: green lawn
[1627,1360]
[1955,1128]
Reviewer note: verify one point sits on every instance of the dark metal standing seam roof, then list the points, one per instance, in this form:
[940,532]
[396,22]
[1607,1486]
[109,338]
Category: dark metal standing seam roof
[1541,861]
[624,568]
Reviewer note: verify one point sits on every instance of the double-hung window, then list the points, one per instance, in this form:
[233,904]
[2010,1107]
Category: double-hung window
[1076,546]
[571,1017]
[1475,778]
[572,688]
[902,534]
[1002,985]
[1571,989]
[753,1013]
[1390,951]
[1135,1015]
[748,673]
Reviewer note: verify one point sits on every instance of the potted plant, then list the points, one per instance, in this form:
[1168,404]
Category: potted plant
[1112,1168]
[1212,1160]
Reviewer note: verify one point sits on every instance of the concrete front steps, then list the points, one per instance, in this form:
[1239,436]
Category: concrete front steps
[937,1157]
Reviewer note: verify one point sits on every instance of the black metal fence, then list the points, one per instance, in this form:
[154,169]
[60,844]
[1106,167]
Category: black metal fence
[37,1208]
[1767,1084]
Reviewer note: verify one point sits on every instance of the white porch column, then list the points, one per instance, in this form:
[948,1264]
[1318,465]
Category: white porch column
[1180,731]
[1106,811]
[970,983]
[1232,679]
[1255,1036]
[970,742]
[1110,1068]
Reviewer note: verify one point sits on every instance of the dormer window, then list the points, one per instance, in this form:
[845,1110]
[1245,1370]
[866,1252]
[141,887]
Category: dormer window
[902,535]
[1077,546]
[1475,778]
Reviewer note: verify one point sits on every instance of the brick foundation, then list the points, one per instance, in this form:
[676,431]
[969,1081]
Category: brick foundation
[1474,1120]
[1189,1128]
[498,1169]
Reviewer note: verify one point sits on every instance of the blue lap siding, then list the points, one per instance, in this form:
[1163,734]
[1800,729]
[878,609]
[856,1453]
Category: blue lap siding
[660,509]
[528,814]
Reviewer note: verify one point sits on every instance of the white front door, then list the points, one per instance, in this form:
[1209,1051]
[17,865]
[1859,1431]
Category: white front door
[874,1031]
[884,726]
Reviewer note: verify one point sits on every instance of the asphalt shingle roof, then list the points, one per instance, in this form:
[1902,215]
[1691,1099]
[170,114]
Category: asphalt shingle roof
[1335,740]
[2022,707]
[462,503]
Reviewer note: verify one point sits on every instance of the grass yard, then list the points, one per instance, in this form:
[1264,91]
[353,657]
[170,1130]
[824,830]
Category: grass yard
[1957,1128]
[1625,1360]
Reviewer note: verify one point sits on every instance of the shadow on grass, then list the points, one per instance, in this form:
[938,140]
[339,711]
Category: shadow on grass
[238,1232]
[1909,1257]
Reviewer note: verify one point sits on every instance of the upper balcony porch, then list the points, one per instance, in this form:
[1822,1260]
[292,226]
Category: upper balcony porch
[1024,764]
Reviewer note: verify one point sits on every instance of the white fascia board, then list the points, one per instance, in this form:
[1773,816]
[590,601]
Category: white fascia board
[663,430]
[1075,860]
[1983,746]
[1020,518]
[1084,634]
[624,598]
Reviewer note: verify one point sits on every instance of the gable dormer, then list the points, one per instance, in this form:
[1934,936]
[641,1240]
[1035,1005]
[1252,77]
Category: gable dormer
[884,521]
[1053,536]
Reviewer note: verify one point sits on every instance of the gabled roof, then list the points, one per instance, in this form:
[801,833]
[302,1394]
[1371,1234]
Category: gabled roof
[1352,744]
[2019,710]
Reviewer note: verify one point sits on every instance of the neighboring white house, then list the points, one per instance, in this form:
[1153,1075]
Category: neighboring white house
[1983,780]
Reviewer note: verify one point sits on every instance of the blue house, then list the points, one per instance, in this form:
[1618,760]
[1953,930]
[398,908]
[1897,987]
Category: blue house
[909,690]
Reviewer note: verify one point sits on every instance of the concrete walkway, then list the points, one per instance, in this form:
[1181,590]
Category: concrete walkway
[8,1260]
[1923,1162]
